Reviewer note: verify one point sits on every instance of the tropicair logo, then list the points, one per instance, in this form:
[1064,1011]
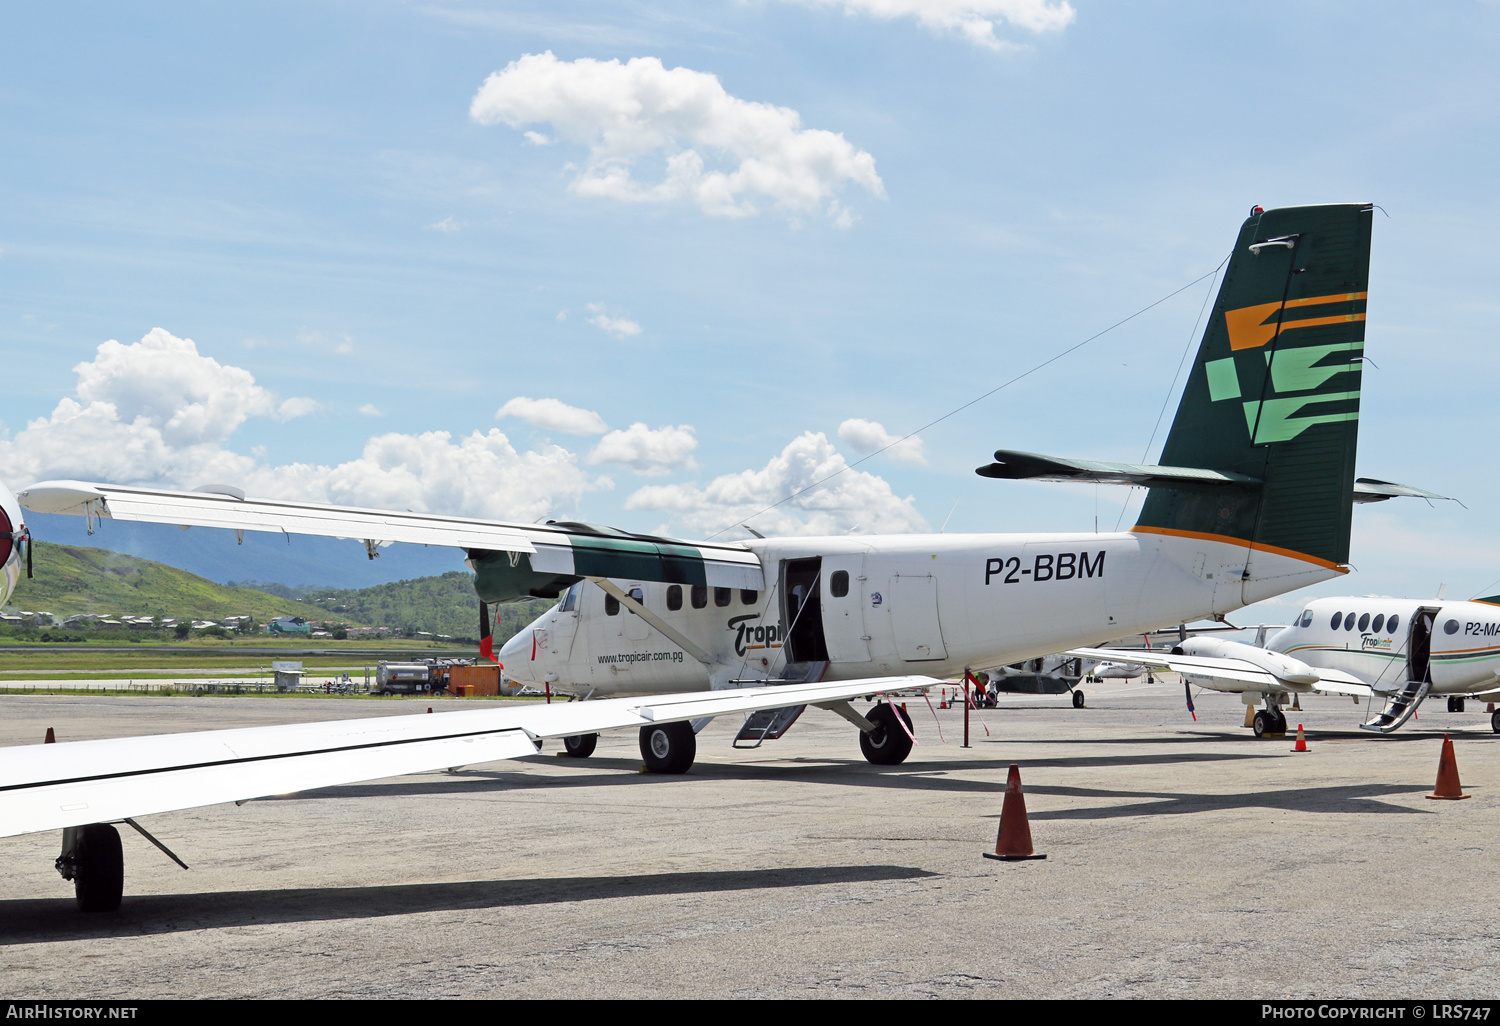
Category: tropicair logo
[749,637]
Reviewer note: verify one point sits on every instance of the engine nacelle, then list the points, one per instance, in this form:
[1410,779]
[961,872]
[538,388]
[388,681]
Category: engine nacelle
[1283,667]
[508,577]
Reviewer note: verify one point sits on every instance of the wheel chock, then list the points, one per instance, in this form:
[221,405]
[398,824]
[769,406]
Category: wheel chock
[1014,841]
[1447,786]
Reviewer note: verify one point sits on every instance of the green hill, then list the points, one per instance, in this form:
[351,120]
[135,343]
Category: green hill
[72,579]
[441,605]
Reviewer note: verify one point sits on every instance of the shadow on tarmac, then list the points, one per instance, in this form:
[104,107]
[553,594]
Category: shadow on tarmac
[924,776]
[45,920]
[1351,798]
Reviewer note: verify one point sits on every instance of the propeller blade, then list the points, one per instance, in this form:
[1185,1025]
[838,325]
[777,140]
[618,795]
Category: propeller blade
[486,638]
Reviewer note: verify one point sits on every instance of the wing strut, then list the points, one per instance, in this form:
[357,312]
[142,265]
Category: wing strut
[671,633]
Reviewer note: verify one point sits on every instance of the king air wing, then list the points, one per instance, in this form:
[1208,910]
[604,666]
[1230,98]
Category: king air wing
[1238,667]
[512,560]
[72,784]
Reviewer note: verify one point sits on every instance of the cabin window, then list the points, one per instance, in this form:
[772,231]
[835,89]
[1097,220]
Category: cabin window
[1451,627]
[1364,621]
[611,605]
[700,596]
[748,596]
[674,597]
[1375,623]
[1333,624]
[638,595]
[721,597]
[1349,622]
[838,584]
[1392,624]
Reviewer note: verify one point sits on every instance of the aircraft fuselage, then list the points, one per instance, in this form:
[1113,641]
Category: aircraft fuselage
[876,605]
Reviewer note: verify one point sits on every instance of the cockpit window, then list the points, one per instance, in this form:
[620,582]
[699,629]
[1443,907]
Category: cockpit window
[1333,624]
[1305,619]
[570,599]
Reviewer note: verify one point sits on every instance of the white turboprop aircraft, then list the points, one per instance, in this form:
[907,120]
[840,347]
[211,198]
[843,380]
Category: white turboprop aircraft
[1252,499]
[1395,650]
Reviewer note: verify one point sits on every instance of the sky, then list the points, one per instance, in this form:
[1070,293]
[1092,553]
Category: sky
[662,265]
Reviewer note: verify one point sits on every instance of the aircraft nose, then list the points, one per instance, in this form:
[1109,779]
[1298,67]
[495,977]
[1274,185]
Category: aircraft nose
[515,654]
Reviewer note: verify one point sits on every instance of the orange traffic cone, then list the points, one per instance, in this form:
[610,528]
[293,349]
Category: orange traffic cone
[1296,701]
[1489,707]
[50,739]
[1014,842]
[1249,715]
[1301,745]
[1447,785]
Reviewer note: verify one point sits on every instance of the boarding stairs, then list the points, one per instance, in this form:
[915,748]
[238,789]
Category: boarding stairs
[1399,707]
[769,724]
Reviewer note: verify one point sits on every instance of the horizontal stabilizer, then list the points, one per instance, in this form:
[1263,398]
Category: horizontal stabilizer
[1369,489]
[1013,465]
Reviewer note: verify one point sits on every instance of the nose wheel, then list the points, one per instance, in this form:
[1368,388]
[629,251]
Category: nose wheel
[1077,699]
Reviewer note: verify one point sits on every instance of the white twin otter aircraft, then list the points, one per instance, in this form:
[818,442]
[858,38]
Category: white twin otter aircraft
[1252,499]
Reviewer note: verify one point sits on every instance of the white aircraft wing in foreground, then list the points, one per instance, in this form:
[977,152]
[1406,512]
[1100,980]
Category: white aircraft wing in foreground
[1263,669]
[83,786]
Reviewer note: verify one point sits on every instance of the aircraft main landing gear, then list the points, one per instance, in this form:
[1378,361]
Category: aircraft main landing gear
[1455,705]
[93,860]
[1269,721]
[580,746]
[669,748]
[1495,722]
[888,745]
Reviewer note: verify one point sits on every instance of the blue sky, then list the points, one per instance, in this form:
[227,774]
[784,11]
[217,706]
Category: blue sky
[303,192]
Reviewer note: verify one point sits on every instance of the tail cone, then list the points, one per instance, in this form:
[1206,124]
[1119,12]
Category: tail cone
[1447,785]
[1014,842]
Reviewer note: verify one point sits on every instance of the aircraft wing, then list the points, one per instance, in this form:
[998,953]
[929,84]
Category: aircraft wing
[1241,670]
[561,549]
[47,787]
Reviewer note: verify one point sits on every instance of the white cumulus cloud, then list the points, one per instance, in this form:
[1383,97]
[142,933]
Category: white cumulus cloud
[619,327]
[728,156]
[976,19]
[159,413]
[853,499]
[554,415]
[646,450]
[867,436]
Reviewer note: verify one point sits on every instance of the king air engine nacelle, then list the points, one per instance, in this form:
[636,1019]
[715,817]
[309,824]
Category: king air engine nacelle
[1283,667]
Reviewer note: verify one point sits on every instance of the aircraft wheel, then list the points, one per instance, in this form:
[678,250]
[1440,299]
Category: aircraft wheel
[669,748]
[1077,699]
[1278,721]
[580,746]
[888,745]
[1495,722]
[1262,724]
[98,869]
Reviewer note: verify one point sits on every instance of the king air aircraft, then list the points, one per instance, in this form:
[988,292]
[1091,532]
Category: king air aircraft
[1252,499]
[1397,651]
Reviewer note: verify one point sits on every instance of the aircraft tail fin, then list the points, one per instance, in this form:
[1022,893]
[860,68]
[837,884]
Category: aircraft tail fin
[1273,396]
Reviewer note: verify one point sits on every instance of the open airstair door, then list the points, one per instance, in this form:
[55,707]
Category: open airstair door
[1403,704]
[802,611]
